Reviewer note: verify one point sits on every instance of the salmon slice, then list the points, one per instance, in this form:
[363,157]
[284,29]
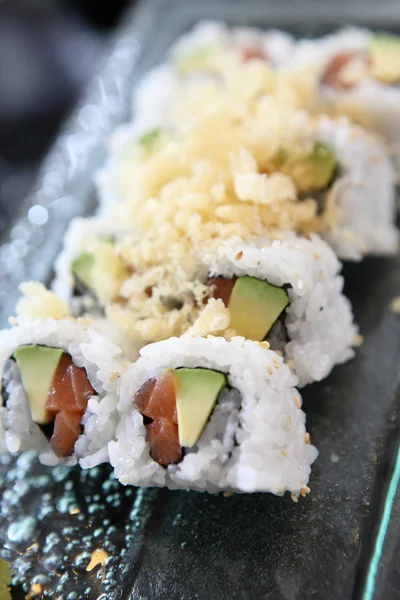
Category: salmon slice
[252,52]
[222,288]
[332,75]
[163,438]
[70,389]
[156,398]
[67,429]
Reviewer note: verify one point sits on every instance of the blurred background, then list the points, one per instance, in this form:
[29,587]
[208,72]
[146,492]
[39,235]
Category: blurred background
[48,51]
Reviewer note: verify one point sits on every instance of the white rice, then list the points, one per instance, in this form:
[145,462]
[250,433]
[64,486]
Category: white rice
[277,45]
[319,319]
[363,192]
[317,54]
[103,363]
[254,441]
[374,102]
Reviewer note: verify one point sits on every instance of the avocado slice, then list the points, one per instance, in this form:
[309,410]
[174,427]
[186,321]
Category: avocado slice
[37,365]
[197,391]
[323,163]
[254,307]
[149,140]
[81,268]
[310,172]
[82,265]
[384,52]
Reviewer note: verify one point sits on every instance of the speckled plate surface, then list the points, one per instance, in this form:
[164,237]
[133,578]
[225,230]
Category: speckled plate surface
[78,535]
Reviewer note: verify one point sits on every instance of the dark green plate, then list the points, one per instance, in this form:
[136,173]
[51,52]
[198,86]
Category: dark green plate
[342,541]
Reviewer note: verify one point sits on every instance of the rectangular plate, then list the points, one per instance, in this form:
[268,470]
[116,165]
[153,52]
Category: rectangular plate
[342,541]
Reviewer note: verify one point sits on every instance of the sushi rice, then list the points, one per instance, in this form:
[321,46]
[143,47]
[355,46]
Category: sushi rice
[103,363]
[255,439]
[367,100]
[318,320]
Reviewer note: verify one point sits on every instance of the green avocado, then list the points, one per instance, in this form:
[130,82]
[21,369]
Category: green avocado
[384,52]
[37,365]
[310,172]
[254,307]
[81,268]
[149,140]
[5,580]
[82,265]
[196,391]
[323,162]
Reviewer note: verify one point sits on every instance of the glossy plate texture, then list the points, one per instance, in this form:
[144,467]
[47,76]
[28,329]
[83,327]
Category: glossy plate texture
[74,535]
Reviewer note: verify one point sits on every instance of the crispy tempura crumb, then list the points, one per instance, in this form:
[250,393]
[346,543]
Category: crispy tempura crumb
[358,340]
[39,303]
[98,557]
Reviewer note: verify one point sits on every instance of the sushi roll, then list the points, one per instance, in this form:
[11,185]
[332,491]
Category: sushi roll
[266,166]
[199,51]
[88,265]
[358,73]
[288,292]
[212,415]
[59,379]
[360,201]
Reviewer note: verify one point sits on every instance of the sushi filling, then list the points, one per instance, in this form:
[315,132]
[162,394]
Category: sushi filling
[57,392]
[175,407]
[99,271]
[381,61]
[254,305]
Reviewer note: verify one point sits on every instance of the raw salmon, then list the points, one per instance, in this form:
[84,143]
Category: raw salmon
[332,75]
[222,288]
[70,389]
[163,438]
[252,52]
[67,428]
[157,398]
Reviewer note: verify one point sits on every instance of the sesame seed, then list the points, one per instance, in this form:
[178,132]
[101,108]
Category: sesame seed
[297,401]
[228,494]
[307,438]
[288,423]
[113,377]
[270,369]
[264,345]
[284,452]
[358,340]
[239,255]
[294,498]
